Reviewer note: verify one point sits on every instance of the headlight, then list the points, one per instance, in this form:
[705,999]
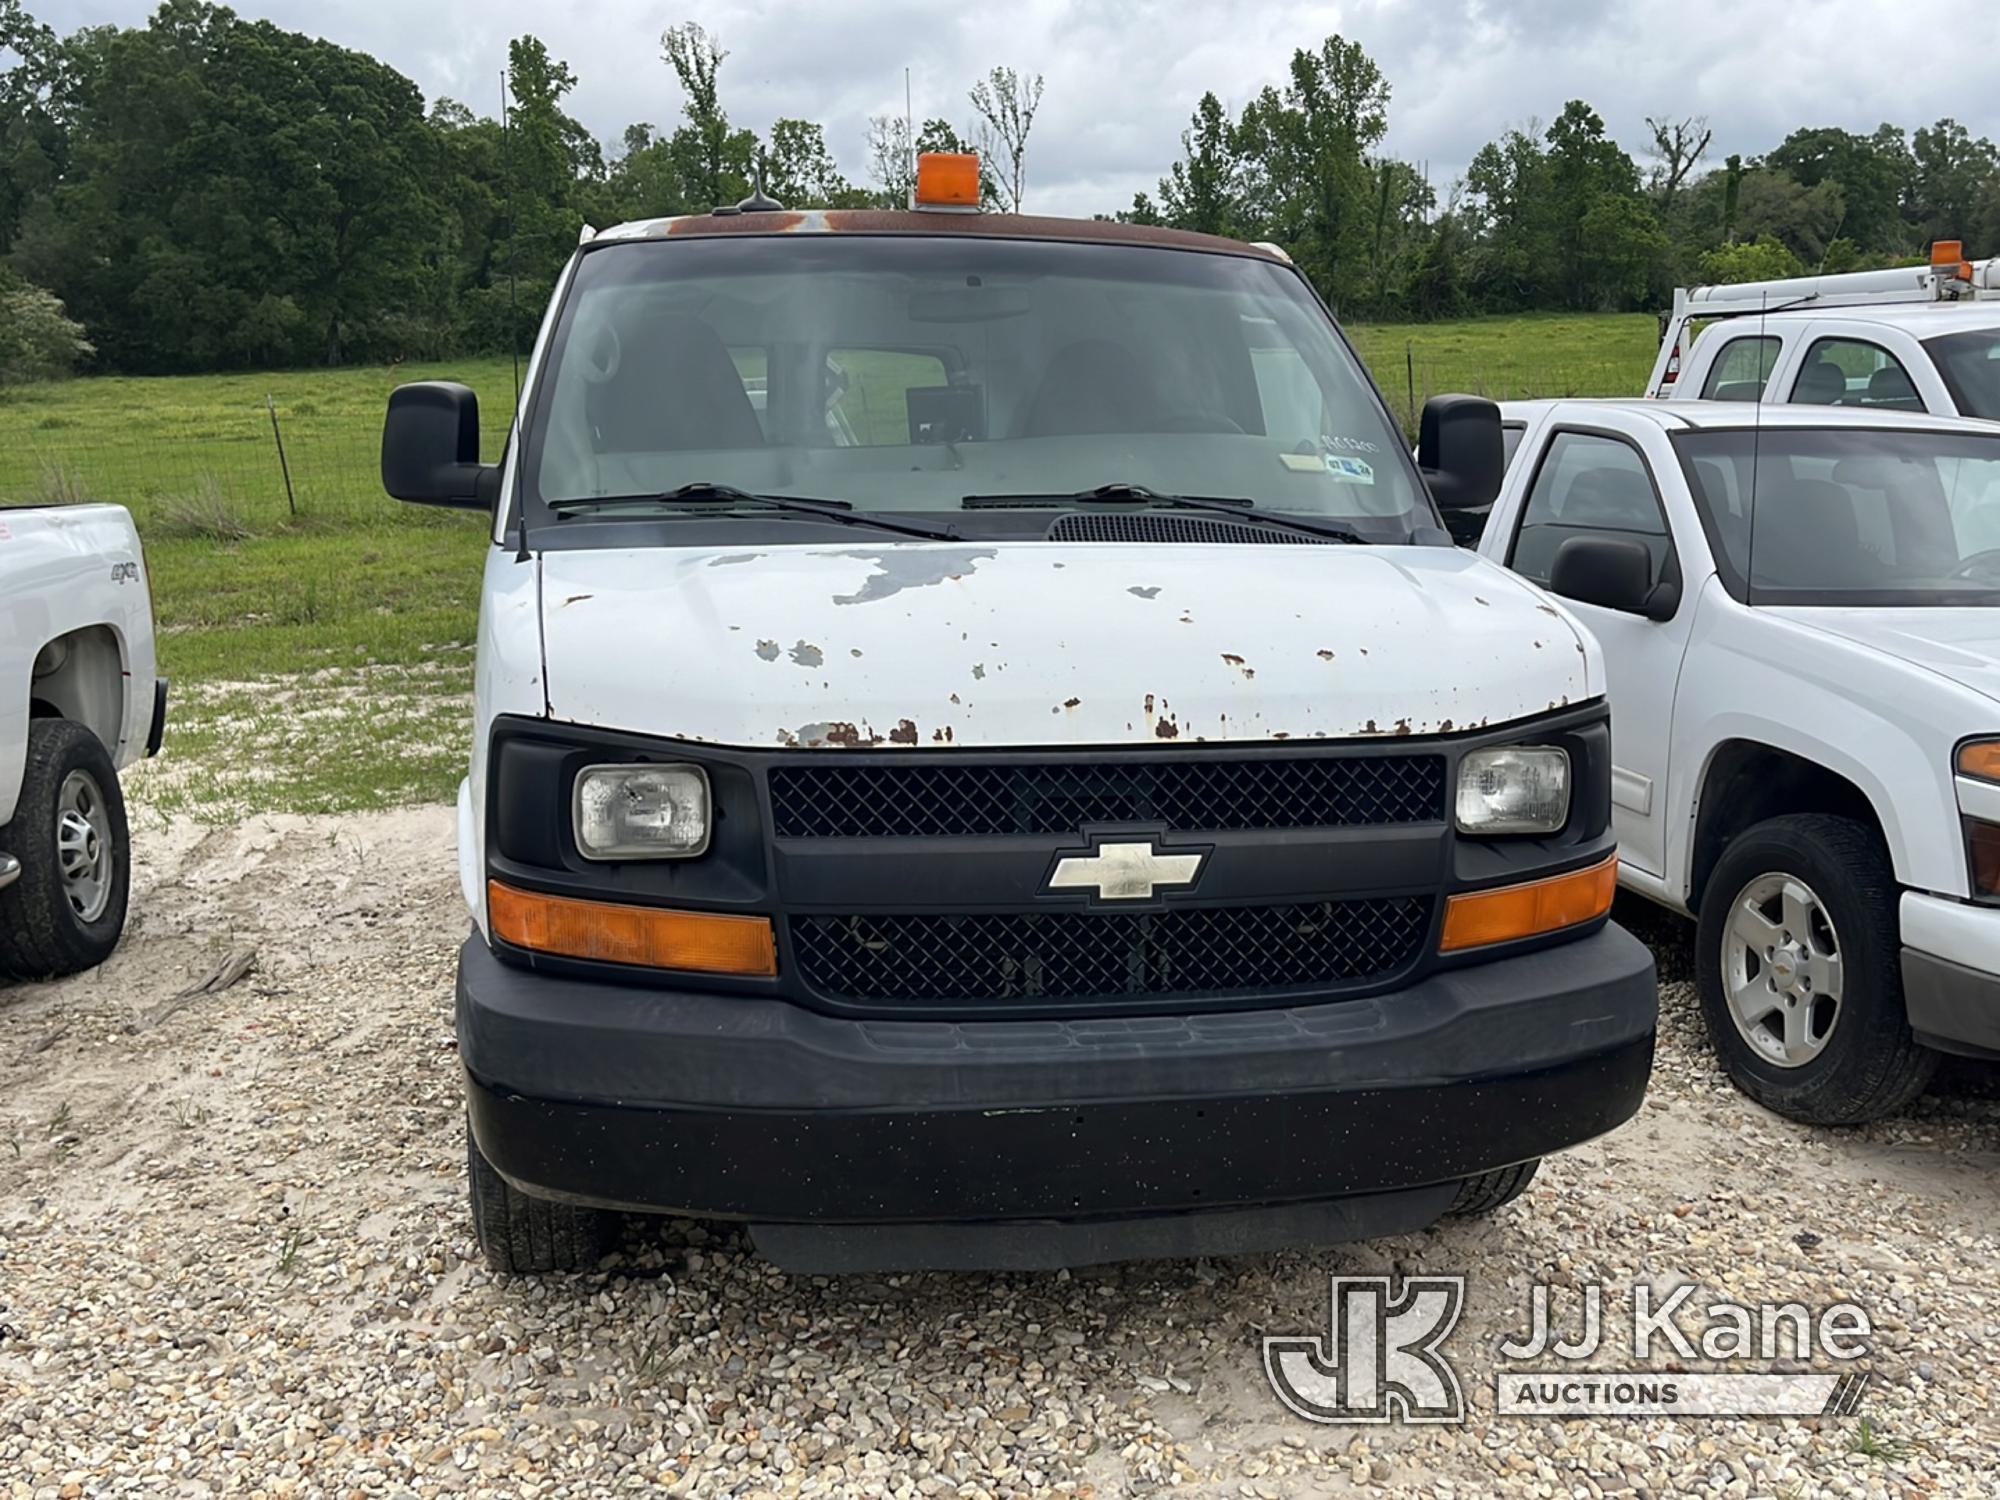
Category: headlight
[642,812]
[1513,789]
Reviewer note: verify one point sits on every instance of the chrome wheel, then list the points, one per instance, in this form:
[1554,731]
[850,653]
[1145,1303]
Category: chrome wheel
[1781,969]
[84,851]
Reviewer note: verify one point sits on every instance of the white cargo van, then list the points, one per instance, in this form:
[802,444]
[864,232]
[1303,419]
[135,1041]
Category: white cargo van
[985,756]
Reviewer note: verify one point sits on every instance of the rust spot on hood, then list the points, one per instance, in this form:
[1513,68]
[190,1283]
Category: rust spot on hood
[905,733]
[941,735]
[575,599]
[806,654]
[1167,729]
[1146,593]
[1326,656]
[1071,702]
[769,650]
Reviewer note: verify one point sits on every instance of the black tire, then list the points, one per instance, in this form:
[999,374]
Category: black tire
[1871,1065]
[1491,1190]
[42,934]
[524,1236]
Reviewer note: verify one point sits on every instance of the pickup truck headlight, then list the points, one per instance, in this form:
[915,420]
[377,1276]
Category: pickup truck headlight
[1513,789]
[642,812]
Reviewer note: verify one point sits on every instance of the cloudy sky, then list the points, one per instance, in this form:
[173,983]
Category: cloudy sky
[1123,75]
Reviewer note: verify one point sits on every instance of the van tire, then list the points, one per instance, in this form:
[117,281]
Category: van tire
[43,934]
[524,1236]
[1492,1190]
[1869,1064]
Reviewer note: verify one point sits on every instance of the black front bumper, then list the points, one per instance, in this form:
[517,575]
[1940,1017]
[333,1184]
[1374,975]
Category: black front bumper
[738,1107]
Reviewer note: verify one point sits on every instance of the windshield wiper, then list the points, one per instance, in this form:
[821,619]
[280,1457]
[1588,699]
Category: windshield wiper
[706,493]
[1139,494]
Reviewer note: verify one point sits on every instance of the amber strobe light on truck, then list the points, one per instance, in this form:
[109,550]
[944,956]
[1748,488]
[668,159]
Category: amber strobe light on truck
[644,936]
[1482,918]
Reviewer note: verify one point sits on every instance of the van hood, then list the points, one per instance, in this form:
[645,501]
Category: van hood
[1026,644]
[1958,644]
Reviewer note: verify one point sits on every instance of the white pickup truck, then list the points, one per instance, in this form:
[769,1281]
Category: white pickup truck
[78,702]
[1917,339]
[1799,610]
[1077,805]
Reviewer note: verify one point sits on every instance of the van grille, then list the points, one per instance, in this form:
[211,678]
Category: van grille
[1077,955]
[942,800]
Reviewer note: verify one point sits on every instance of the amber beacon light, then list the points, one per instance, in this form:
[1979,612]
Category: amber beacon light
[947,179]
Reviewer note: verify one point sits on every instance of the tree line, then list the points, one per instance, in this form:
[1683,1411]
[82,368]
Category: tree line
[206,192]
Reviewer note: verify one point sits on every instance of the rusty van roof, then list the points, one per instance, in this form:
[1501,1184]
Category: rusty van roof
[921,222]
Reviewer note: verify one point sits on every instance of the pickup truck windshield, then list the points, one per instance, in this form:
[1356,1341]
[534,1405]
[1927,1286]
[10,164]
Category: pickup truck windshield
[1850,516]
[1969,363]
[904,373]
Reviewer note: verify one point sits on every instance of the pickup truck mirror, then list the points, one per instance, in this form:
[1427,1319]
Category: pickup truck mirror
[430,448]
[1460,450]
[1614,573]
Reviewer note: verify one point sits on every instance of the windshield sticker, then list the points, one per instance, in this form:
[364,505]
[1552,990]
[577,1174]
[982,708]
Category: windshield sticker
[1350,470]
[1303,463]
[1341,443]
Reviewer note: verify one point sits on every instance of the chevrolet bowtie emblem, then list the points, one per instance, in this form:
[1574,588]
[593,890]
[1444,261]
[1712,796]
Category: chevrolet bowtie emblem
[1124,872]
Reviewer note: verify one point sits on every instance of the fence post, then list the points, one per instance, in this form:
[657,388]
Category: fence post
[291,500]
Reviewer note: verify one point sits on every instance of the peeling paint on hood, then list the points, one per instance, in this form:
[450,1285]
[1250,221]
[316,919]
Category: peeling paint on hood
[948,646]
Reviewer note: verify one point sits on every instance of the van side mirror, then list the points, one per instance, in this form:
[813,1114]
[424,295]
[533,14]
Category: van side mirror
[1460,450]
[430,448]
[1613,573]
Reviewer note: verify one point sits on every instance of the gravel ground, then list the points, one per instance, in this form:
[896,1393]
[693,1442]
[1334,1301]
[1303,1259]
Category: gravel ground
[234,1258]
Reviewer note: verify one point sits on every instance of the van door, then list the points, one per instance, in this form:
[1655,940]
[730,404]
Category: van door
[1592,482]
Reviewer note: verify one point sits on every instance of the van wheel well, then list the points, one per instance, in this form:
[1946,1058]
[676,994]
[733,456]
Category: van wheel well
[1749,782]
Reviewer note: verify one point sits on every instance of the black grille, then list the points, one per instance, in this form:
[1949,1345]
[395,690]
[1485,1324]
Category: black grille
[930,801]
[1110,526]
[1074,955]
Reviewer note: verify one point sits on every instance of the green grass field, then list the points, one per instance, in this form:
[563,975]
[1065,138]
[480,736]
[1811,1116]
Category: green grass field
[321,642]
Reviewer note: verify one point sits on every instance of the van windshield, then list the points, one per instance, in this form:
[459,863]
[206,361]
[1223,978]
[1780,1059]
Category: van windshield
[1850,516]
[1969,363]
[905,373]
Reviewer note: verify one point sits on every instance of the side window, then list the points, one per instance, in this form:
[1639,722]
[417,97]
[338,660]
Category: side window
[1854,372]
[1740,370]
[1588,486]
[1510,442]
[868,394]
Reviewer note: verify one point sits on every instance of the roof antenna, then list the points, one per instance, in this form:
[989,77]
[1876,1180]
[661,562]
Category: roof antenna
[759,201]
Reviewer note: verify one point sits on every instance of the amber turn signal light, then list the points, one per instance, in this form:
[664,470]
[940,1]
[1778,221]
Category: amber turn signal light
[1980,758]
[1482,918]
[698,942]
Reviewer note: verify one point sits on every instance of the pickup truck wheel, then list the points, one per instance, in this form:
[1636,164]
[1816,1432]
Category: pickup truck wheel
[524,1236]
[1799,972]
[66,911]
[1491,1190]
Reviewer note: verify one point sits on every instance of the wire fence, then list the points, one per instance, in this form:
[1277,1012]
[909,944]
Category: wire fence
[221,459]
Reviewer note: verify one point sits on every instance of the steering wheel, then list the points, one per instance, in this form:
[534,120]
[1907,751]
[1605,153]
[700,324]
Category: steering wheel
[1973,563]
[1194,419]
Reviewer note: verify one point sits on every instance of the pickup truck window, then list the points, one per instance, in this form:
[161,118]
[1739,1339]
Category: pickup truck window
[903,373]
[1741,367]
[1588,485]
[1969,365]
[1854,372]
[1849,517]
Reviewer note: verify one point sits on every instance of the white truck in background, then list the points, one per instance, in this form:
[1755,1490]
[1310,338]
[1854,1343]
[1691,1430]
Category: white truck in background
[79,701]
[1916,338]
[1799,610]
